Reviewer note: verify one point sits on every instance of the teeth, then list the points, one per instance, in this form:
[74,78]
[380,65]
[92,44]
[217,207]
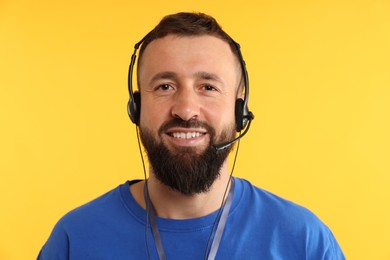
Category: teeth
[186,135]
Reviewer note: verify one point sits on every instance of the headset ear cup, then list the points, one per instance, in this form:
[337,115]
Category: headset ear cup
[239,114]
[134,107]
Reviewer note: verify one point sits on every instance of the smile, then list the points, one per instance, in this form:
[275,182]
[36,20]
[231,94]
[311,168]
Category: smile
[187,135]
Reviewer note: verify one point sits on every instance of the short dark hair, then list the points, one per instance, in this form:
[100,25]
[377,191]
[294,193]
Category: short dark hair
[188,24]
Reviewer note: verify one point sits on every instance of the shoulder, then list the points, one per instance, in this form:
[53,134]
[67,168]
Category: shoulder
[290,226]
[84,219]
[95,208]
[274,206]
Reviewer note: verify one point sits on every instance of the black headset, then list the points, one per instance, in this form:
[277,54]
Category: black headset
[242,113]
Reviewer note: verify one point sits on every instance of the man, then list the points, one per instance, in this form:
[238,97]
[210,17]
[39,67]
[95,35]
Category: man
[194,92]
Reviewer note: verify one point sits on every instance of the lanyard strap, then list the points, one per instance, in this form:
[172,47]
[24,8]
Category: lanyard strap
[218,232]
[153,224]
[221,223]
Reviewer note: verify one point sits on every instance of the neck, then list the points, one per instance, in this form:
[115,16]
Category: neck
[172,204]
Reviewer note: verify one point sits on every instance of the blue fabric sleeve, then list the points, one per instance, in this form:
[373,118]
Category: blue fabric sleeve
[57,246]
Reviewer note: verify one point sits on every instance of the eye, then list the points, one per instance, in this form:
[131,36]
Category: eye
[164,87]
[209,88]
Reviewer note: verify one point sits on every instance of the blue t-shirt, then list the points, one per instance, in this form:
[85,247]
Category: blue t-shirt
[260,225]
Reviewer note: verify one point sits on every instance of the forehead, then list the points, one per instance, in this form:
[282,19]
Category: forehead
[181,39]
[180,53]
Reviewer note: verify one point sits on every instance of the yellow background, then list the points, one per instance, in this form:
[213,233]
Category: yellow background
[320,90]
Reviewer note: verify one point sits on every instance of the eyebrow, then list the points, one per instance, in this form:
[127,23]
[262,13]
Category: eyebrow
[208,76]
[200,75]
[164,75]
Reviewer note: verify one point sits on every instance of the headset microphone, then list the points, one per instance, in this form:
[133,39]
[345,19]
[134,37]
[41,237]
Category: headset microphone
[223,146]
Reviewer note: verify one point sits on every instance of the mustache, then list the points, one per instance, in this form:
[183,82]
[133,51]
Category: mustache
[192,123]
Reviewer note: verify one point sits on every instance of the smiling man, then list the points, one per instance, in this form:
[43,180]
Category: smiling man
[192,100]
[188,87]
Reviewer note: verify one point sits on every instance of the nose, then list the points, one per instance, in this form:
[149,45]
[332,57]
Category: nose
[186,105]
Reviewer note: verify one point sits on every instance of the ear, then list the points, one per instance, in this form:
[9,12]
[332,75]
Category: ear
[241,91]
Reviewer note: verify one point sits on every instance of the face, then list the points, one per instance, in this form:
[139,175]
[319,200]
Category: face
[188,89]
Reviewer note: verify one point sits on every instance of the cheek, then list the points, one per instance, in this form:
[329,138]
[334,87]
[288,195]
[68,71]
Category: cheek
[152,116]
[221,116]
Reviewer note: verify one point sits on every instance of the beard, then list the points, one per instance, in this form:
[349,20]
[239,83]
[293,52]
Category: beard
[185,170]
